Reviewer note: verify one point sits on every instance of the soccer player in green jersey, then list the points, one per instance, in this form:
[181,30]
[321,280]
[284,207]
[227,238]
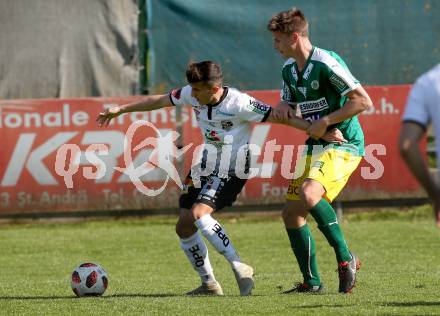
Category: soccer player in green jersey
[318,84]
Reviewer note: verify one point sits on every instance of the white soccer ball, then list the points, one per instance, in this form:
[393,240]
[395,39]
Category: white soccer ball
[89,279]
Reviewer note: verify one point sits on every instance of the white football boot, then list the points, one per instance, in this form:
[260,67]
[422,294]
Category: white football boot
[208,288]
[244,276]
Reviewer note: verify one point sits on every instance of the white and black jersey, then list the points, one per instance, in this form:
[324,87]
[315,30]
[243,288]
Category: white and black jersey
[226,126]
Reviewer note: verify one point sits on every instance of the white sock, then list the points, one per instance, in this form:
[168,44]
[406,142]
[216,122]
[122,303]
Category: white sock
[216,235]
[197,253]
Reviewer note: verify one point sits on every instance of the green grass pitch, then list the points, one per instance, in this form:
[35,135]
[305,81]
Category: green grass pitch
[148,272]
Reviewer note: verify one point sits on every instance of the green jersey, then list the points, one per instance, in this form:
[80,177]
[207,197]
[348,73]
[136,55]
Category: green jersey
[321,88]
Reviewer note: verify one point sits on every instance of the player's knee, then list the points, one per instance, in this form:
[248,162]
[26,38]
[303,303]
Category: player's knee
[185,225]
[309,195]
[200,209]
[294,217]
[185,231]
[180,231]
[305,195]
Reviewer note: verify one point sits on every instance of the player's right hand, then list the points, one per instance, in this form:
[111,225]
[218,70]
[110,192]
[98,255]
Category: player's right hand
[105,117]
[334,136]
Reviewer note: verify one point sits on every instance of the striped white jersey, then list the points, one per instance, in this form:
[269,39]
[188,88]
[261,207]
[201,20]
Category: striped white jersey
[225,126]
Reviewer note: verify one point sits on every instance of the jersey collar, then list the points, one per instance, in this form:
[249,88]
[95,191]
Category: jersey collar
[300,73]
[224,95]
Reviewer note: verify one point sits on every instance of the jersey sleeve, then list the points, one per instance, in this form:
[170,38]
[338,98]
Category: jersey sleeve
[341,78]
[252,110]
[181,96]
[416,109]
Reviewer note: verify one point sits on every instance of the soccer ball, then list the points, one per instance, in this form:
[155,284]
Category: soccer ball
[89,279]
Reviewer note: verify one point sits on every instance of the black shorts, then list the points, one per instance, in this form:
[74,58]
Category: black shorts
[216,192]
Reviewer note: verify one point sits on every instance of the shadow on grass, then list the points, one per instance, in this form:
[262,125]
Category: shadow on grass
[68,297]
[154,295]
[411,304]
[322,305]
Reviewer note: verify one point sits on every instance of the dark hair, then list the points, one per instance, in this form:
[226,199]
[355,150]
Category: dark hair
[288,22]
[205,71]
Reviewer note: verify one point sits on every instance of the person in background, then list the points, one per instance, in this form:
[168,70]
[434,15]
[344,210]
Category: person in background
[423,108]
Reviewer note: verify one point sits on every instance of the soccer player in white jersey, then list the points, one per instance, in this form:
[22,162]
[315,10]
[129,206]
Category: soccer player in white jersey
[318,83]
[224,116]
[422,109]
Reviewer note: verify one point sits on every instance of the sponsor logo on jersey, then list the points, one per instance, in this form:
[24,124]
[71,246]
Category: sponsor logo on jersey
[314,84]
[258,107]
[303,90]
[338,82]
[176,93]
[224,113]
[227,125]
[313,106]
[311,117]
[308,71]
[212,136]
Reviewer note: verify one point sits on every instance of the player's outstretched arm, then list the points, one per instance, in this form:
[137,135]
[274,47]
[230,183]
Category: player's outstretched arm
[148,103]
[284,114]
[358,101]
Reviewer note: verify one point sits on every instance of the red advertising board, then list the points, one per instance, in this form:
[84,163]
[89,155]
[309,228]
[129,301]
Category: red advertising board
[54,157]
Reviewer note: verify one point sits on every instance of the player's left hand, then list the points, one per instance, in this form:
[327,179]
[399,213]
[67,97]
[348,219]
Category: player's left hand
[334,136]
[318,128]
[105,117]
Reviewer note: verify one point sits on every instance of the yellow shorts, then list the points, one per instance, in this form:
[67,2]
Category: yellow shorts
[330,167]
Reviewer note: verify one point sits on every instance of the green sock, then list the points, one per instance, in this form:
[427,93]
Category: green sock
[325,216]
[303,247]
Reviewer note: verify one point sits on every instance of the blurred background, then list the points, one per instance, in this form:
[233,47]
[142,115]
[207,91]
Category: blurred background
[62,48]
[59,58]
